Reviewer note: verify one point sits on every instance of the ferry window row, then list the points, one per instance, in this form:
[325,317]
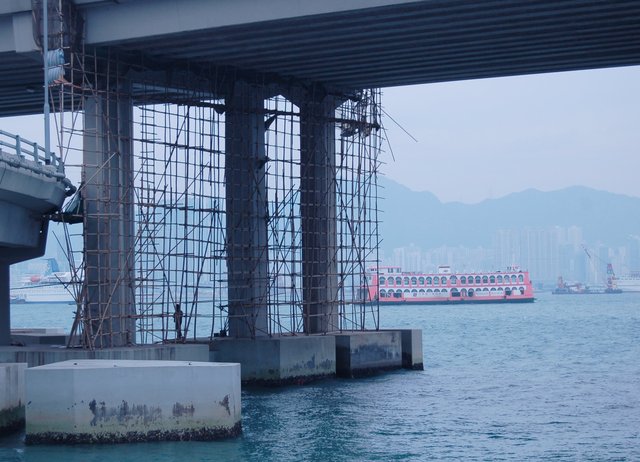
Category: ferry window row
[463,292]
[442,280]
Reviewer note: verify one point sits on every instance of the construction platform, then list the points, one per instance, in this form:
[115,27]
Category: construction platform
[265,361]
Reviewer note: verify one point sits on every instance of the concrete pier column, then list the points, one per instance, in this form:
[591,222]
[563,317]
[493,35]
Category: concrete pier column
[108,203]
[246,202]
[318,212]
[5,305]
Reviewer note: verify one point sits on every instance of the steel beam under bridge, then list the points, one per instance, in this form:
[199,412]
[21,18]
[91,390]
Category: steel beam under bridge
[354,44]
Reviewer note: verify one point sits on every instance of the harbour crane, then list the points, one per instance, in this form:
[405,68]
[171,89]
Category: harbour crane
[611,285]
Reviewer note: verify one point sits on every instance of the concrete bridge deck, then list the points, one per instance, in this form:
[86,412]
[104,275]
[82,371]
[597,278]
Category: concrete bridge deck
[355,44]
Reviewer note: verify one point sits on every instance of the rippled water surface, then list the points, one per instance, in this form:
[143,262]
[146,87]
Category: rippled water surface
[558,379]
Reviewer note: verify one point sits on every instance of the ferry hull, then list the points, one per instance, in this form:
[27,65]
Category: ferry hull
[463,301]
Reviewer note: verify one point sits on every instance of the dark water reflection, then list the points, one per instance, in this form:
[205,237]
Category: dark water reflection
[555,380]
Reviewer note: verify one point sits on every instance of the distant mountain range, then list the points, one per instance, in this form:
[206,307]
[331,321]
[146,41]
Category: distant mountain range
[420,218]
[410,217]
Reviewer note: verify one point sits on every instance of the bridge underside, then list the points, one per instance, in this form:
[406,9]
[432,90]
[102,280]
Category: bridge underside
[346,45]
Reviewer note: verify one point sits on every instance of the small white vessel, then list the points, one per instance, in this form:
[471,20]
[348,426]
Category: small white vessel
[629,282]
[51,287]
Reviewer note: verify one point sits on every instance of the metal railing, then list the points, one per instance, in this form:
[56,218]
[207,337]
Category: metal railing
[22,149]
[25,149]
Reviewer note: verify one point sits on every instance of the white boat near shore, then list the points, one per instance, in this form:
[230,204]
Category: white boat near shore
[629,282]
[53,288]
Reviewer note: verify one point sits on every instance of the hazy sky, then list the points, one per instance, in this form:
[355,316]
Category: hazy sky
[487,138]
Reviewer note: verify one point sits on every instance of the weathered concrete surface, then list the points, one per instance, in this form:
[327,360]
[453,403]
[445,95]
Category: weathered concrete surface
[108,401]
[38,355]
[12,394]
[412,349]
[364,353]
[278,360]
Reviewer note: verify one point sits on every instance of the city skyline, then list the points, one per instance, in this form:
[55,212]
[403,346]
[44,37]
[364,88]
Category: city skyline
[547,253]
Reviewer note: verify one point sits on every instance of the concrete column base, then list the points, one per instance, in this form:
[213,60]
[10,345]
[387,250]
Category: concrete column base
[412,349]
[278,360]
[12,396]
[108,401]
[360,354]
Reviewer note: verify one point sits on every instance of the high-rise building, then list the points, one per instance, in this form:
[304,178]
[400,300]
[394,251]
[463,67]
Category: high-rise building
[632,261]
[537,249]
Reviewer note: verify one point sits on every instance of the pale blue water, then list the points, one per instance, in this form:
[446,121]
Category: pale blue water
[558,379]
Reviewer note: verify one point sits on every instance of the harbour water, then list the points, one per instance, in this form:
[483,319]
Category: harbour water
[558,379]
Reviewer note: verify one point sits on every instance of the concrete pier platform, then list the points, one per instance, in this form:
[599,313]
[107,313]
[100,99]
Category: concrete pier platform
[39,355]
[364,353]
[38,336]
[274,361]
[278,360]
[116,401]
[12,396]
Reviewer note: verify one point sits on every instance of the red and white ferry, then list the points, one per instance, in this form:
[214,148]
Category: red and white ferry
[390,285]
